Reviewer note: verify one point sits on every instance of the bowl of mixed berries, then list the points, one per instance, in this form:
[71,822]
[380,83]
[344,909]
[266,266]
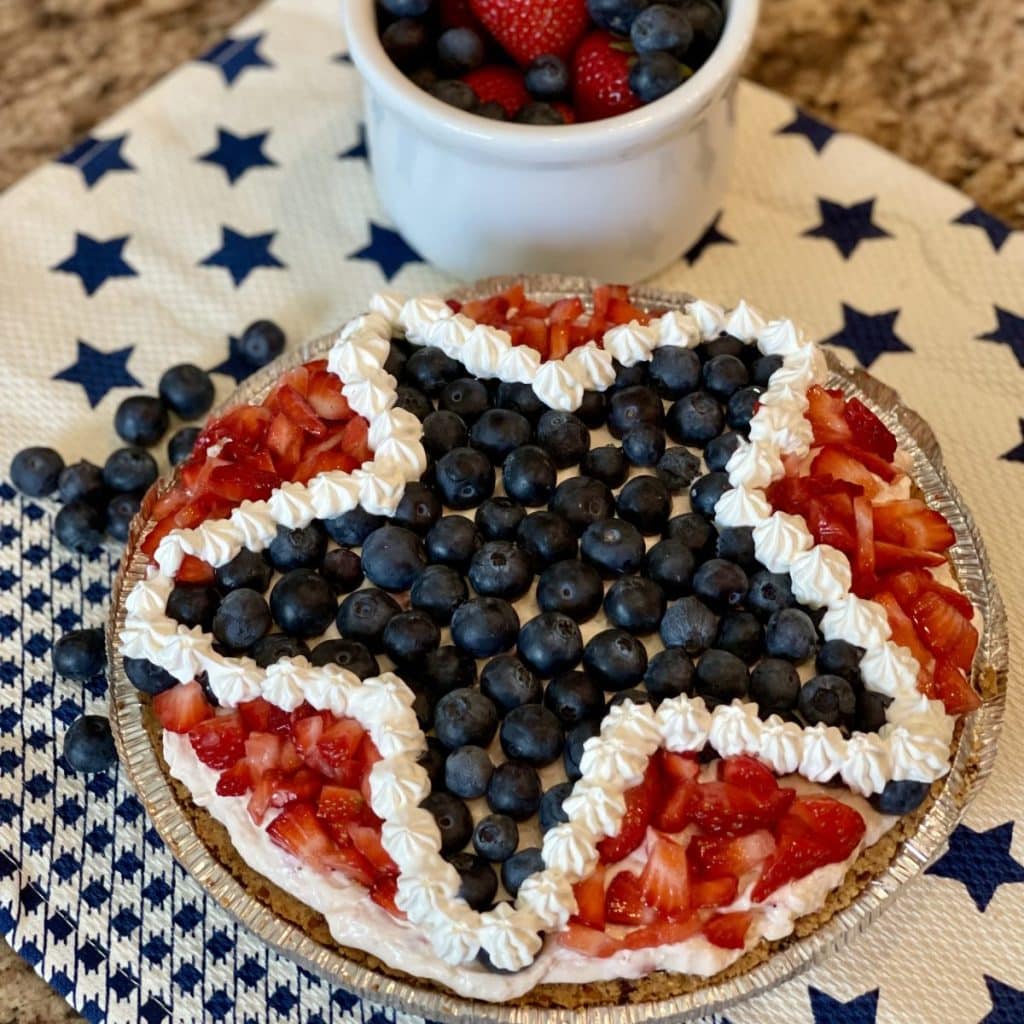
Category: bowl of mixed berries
[592,136]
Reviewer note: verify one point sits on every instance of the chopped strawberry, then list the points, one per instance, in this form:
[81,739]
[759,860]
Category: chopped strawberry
[194,570]
[603,295]
[589,941]
[951,686]
[944,630]
[566,310]
[827,413]
[351,863]
[526,29]
[263,752]
[354,440]
[260,715]
[456,14]
[674,811]
[324,462]
[624,901]
[912,524]
[263,794]
[302,785]
[879,466]
[182,707]
[792,494]
[725,809]
[340,805]
[830,520]
[368,752]
[639,805]
[297,830]
[284,439]
[864,557]
[567,112]
[729,931]
[325,397]
[665,881]
[490,311]
[383,892]
[535,335]
[236,780]
[499,84]
[237,483]
[600,72]
[367,841]
[676,768]
[713,858]
[714,892]
[868,430]
[750,774]
[893,558]
[908,584]
[663,933]
[833,461]
[622,311]
[590,900]
[300,412]
[340,740]
[903,631]
[559,338]
[219,741]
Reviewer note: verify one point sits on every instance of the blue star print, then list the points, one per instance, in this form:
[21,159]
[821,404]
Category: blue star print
[1009,330]
[1007,1003]
[1016,454]
[96,262]
[358,151]
[976,217]
[241,254]
[388,249]
[868,335]
[98,372]
[237,154]
[236,365]
[827,1010]
[981,861]
[816,132]
[233,56]
[710,237]
[97,157]
[846,226]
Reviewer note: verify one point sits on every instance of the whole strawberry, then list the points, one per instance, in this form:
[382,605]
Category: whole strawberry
[526,29]
[499,84]
[601,77]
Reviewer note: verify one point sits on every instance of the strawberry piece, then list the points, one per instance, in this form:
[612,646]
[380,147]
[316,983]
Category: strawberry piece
[868,430]
[664,933]
[864,557]
[302,785]
[354,440]
[836,462]
[499,84]
[368,752]
[238,483]
[568,114]
[340,740]
[559,337]
[194,570]
[951,686]
[912,524]
[383,892]
[624,901]
[639,804]
[260,715]
[893,558]
[456,14]
[714,892]
[830,519]
[674,811]
[526,29]
[351,863]
[622,311]
[729,931]
[325,397]
[300,412]
[339,805]
[219,741]
[535,335]
[590,899]
[903,632]
[297,830]
[748,773]
[827,413]
[725,809]
[906,585]
[793,494]
[490,311]
[588,941]
[324,462]
[284,439]
[263,752]
[676,768]
[600,73]
[182,707]
[603,295]
[943,629]
[367,841]
[713,858]
[236,780]
[665,880]
[886,470]
[566,310]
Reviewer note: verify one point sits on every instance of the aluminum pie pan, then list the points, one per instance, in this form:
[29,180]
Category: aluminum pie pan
[972,760]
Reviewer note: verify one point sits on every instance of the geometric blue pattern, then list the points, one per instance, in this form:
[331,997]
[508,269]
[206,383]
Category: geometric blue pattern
[980,861]
[98,372]
[388,250]
[1009,330]
[868,335]
[827,1010]
[846,226]
[816,132]
[96,262]
[97,157]
[994,228]
[233,56]
[240,254]
[1007,1003]
[236,154]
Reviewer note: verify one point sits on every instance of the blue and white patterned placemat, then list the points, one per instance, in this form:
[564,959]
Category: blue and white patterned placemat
[239,188]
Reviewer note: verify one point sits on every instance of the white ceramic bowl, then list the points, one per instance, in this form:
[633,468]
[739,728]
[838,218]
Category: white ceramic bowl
[618,199]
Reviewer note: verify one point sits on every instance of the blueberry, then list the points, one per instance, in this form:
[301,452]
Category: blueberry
[186,390]
[193,604]
[720,677]
[675,371]
[551,811]
[81,481]
[706,19]
[452,540]
[89,744]
[521,398]
[646,503]
[564,437]
[418,509]
[574,743]
[141,420]
[485,626]
[478,883]
[632,406]
[572,588]
[582,501]
[574,696]
[629,376]
[871,711]
[465,477]
[531,733]
[720,584]
[769,593]
[347,654]
[351,528]
[693,530]
[607,464]
[247,569]
[547,537]
[741,634]
[677,468]
[241,619]
[261,342]
[438,591]
[80,654]
[763,368]
[900,797]
[719,450]
[432,761]
[550,643]
[827,699]
[705,492]
[443,431]
[736,544]
[467,771]
[454,821]
[695,419]
[539,113]
[501,569]
[514,790]
[509,683]
[547,77]
[518,868]
[410,636]
[723,345]
[613,546]
[407,8]
[37,471]
[724,376]
[466,397]
[393,557]
[496,837]
[615,659]
[669,674]
[275,646]
[465,717]
[363,615]
[499,518]
[636,695]
[654,75]
[413,400]
[492,110]
[670,565]
[616,15]
[529,475]
[343,569]
[644,444]
[180,446]
[635,604]
[689,624]
[790,634]
[429,370]
[661,27]
[301,548]
[775,686]
[121,510]
[302,603]
[448,669]
[498,432]
[396,360]
[147,677]
[839,658]
[739,410]
[405,41]
[460,50]
[129,470]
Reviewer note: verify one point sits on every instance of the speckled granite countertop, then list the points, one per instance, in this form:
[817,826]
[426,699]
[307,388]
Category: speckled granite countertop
[937,81]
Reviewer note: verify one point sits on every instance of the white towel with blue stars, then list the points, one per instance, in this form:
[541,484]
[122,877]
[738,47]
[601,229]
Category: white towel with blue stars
[239,188]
